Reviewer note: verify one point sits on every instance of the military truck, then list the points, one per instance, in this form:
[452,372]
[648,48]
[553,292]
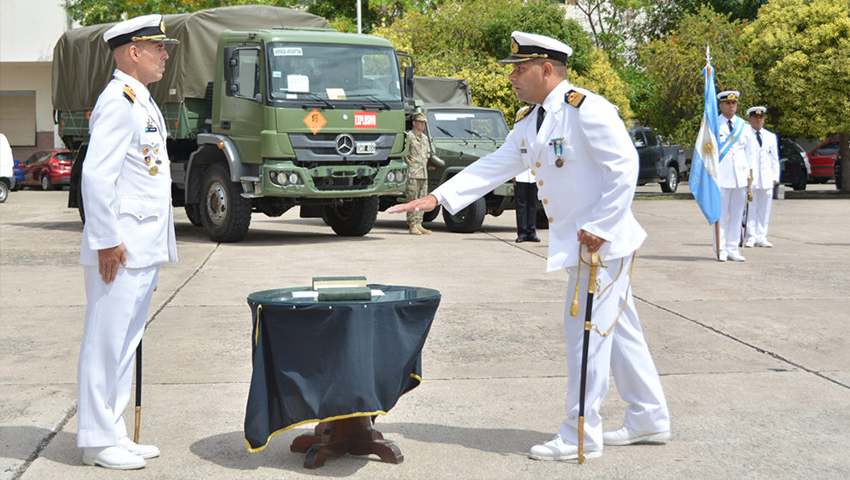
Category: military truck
[460,134]
[267,109]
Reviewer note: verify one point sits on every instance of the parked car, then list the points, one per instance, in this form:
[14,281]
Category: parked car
[794,167]
[19,175]
[837,170]
[48,169]
[7,171]
[822,159]
[659,161]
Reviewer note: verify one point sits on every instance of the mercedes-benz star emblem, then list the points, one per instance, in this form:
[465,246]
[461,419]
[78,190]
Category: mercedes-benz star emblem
[344,144]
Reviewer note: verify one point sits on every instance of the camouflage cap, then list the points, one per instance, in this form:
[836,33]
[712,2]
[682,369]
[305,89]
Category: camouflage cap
[420,117]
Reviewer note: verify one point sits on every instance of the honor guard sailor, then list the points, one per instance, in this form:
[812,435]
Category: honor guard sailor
[734,175]
[764,162]
[586,167]
[128,234]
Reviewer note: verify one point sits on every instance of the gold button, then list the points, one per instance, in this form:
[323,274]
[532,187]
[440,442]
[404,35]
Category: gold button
[140,217]
[532,172]
[551,219]
[545,201]
[540,183]
[537,164]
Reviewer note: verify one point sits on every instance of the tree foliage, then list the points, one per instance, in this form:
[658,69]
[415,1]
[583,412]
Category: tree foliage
[465,40]
[673,96]
[801,53]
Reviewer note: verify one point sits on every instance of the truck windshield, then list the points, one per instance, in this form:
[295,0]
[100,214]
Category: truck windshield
[467,124]
[330,74]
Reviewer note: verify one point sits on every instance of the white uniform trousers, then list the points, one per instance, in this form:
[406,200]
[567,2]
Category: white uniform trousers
[115,321]
[732,203]
[758,216]
[623,352]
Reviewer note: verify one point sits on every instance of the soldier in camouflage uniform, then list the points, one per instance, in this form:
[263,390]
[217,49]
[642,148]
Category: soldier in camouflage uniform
[417,161]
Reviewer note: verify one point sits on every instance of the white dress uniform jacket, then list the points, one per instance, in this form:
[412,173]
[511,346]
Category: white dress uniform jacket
[734,167]
[128,200]
[764,160]
[592,190]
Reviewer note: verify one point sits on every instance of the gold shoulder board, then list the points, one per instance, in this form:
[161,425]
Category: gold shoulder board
[522,113]
[574,98]
[129,94]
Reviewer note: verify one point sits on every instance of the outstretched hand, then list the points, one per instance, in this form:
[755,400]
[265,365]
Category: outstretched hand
[424,204]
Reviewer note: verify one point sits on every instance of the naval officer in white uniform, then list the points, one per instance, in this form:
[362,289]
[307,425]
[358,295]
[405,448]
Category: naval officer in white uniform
[128,234]
[764,161]
[733,175]
[586,170]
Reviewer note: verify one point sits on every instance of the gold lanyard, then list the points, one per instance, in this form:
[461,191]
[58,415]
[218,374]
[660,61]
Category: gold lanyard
[574,306]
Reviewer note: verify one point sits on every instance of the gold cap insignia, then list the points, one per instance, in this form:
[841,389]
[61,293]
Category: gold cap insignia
[732,96]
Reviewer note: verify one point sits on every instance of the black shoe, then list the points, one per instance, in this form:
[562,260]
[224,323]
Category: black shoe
[520,239]
[532,238]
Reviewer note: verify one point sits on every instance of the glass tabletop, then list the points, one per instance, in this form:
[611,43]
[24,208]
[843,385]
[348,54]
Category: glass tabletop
[305,295]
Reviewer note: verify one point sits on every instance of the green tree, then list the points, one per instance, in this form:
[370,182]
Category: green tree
[93,12]
[801,53]
[465,40]
[672,81]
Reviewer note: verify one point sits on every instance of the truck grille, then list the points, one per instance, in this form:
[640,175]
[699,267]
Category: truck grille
[322,147]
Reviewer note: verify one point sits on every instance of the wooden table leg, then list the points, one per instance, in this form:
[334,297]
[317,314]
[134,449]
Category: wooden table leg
[350,435]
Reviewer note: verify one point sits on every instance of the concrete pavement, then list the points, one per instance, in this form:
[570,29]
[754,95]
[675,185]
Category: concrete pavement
[754,356]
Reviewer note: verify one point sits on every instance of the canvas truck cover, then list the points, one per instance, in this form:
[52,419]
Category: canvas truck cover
[432,91]
[83,64]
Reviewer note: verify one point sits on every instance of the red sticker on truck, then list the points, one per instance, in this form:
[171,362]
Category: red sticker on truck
[365,120]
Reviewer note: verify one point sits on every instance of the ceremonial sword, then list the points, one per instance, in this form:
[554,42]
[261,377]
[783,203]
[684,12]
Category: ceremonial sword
[138,391]
[591,289]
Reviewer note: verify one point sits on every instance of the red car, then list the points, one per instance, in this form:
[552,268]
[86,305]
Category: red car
[48,169]
[822,159]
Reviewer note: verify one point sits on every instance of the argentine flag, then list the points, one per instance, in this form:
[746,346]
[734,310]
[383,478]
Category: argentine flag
[706,162]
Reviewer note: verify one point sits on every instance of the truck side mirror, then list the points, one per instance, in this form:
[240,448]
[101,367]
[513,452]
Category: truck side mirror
[231,70]
[408,82]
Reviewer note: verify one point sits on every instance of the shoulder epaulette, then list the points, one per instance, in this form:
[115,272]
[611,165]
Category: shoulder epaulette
[574,98]
[522,113]
[129,94]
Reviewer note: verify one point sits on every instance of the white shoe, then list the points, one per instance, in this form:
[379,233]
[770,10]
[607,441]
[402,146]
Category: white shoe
[557,449]
[736,257]
[764,243]
[750,243]
[627,436]
[144,451]
[722,257]
[112,457]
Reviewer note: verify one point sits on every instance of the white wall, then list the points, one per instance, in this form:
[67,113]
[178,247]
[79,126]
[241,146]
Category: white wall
[29,30]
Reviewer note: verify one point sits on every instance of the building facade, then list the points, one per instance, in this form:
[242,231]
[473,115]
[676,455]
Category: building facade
[29,30]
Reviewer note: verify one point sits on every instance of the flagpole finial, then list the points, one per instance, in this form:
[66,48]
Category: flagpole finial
[707,53]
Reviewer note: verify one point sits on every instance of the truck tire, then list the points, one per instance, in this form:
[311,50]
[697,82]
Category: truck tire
[45,183]
[467,220]
[193,212]
[4,191]
[352,218]
[430,216]
[671,181]
[225,215]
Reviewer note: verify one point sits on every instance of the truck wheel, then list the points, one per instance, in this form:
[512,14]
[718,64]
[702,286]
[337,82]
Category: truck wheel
[225,215]
[193,211]
[352,218]
[467,220]
[671,182]
[45,183]
[430,216]
[4,191]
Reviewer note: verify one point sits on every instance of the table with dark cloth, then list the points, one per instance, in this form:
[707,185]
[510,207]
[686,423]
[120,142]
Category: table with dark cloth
[334,362]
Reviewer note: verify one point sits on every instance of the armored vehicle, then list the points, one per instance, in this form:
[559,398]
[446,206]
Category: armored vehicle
[460,134]
[267,109]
